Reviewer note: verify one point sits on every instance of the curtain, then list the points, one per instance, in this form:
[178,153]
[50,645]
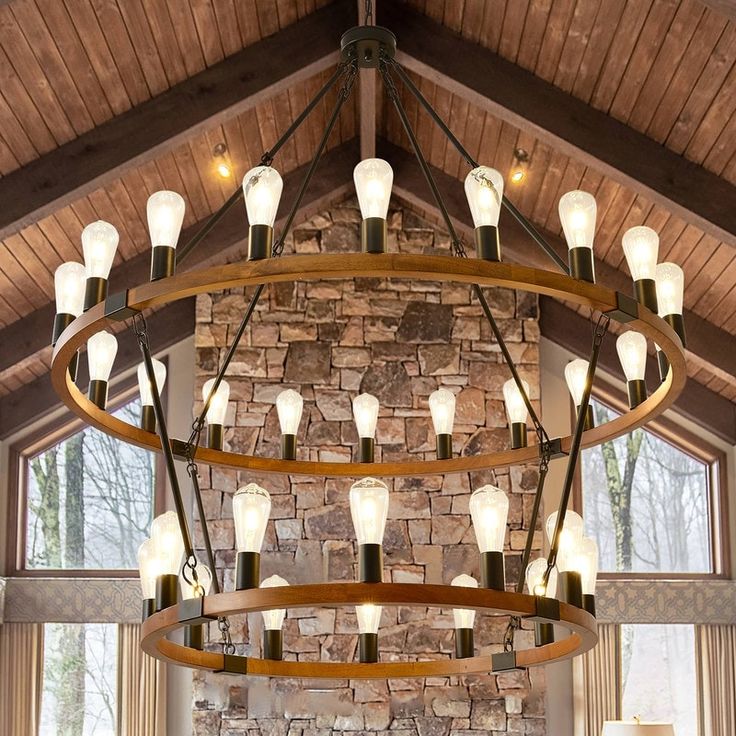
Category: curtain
[141,687]
[597,683]
[21,678]
[715,648]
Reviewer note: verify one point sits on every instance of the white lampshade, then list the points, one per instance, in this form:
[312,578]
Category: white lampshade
[262,188]
[515,405]
[102,348]
[489,509]
[373,179]
[369,618]
[150,567]
[289,405]
[69,285]
[99,243]
[218,406]
[576,372]
[641,247]
[572,533]
[166,535]
[535,576]
[632,352]
[251,510]
[670,281]
[484,190]
[442,408]
[144,385]
[274,619]
[464,617]
[365,413]
[577,214]
[636,728]
[369,509]
[165,213]
[203,586]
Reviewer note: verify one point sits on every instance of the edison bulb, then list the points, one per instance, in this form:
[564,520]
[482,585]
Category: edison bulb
[578,214]
[572,533]
[670,281]
[251,511]
[632,352]
[166,534]
[289,405]
[515,404]
[535,578]
[641,247]
[365,413]
[218,406]
[484,192]
[576,374]
[369,618]
[190,589]
[102,348]
[373,179]
[150,567]
[369,500]
[586,563]
[262,187]
[489,509]
[144,385]
[442,408]
[99,243]
[165,213]
[464,617]
[273,620]
[69,285]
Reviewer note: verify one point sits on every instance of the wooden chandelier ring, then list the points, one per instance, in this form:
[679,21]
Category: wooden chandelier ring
[345,266]
[581,625]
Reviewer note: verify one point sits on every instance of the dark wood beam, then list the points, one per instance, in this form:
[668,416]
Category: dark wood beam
[564,122]
[201,102]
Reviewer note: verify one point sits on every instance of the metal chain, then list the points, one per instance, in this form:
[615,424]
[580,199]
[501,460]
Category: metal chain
[226,640]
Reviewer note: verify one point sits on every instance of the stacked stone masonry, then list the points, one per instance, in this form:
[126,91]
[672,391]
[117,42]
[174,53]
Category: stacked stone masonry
[399,340]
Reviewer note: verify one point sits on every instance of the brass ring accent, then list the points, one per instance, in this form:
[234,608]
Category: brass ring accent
[345,266]
[582,626]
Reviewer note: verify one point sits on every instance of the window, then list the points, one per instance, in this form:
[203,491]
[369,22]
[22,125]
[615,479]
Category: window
[658,678]
[89,501]
[648,504]
[79,680]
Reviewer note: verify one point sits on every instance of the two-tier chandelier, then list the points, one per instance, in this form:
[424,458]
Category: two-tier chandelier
[560,586]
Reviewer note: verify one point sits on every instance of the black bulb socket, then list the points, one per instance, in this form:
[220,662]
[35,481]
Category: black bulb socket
[677,323]
[247,570]
[273,644]
[464,646]
[570,588]
[61,321]
[487,243]
[366,450]
[148,608]
[492,572]
[194,636]
[260,242]
[97,393]
[163,262]
[288,447]
[95,291]
[645,292]
[215,436]
[444,446]
[148,418]
[663,364]
[543,634]
[368,648]
[167,591]
[637,391]
[370,563]
[588,421]
[589,603]
[373,235]
[581,264]
[518,435]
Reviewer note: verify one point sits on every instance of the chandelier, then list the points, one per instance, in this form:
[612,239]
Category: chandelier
[560,586]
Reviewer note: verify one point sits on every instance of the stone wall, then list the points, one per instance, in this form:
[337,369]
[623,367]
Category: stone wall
[399,340]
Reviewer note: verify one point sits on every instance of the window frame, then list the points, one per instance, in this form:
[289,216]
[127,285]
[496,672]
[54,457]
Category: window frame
[50,433]
[696,447]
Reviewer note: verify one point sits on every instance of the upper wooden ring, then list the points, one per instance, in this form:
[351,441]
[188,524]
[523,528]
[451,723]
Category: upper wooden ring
[350,265]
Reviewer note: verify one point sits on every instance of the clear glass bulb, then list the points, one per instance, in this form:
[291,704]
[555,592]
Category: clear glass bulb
[166,534]
[69,285]
[515,406]
[464,617]
[150,567]
[489,509]
[165,212]
[670,281]
[201,588]
[251,511]
[572,533]
[218,406]
[273,620]
[484,191]
[289,405]
[99,243]
[442,408]
[373,179]
[262,187]
[577,214]
[586,563]
[632,352]
[641,247]
[369,509]
[144,385]
[576,372]
[365,413]
[535,575]
[369,618]
[102,348]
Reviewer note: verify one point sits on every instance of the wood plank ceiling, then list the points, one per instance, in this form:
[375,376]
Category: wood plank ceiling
[666,68]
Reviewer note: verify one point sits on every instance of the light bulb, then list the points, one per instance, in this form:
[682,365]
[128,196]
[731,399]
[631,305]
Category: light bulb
[489,509]
[251,510]
[535,578]
[373,179]
[201,588]
[144,385]
[289,406]
[442,408]
[102,348]
[577,213]
[572,533]
[365,413]
[149,567]
[69,284]
[632,352]
[586,563]
[576,373]
[369,509]
[484,191]
[274,619]
[166,534]
[515,405]
[369,618]
[464,617]
[262,187]
[670,288]
[641,247]
[165,212]
[99,243]
[218,406]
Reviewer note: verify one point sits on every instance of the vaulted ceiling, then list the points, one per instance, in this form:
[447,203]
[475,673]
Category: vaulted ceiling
[103,103]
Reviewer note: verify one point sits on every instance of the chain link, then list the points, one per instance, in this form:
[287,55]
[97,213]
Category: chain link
[226,640]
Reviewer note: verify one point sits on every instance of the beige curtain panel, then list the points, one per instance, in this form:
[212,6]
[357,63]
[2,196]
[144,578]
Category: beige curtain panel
[597,683]
[141,687]
[21,678]
[716,662]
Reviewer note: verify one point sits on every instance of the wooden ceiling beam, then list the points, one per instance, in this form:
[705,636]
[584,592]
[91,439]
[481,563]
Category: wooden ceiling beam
[228,88]
[367,80]
[564,122]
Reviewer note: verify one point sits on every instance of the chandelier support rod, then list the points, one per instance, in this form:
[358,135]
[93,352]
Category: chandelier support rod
[523,221]
[192,470]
